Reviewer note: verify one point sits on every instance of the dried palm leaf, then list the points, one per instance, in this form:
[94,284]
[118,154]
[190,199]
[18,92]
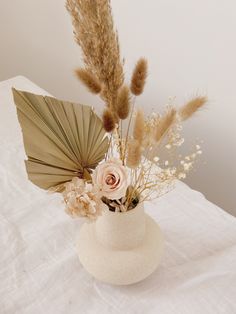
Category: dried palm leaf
[62,139]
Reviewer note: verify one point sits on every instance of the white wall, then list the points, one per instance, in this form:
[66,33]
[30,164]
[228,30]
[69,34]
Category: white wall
[190,45]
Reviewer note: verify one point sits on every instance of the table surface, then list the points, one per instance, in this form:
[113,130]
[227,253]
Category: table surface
[41,273]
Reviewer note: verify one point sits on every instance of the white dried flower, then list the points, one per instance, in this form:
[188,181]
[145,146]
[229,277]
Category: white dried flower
[81,199]
[181,175]
[187,166]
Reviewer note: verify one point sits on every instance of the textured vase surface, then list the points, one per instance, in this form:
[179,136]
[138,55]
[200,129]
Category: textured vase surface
[121,248]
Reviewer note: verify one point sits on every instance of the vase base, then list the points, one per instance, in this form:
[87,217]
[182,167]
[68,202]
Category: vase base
[120,267]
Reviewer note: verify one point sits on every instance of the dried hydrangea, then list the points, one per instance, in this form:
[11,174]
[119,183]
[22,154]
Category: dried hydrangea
[81,199]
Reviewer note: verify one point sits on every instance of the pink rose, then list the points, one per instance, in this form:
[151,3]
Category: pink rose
[111,179]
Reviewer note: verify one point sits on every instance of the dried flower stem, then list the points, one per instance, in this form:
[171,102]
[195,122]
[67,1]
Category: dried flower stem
[128,128]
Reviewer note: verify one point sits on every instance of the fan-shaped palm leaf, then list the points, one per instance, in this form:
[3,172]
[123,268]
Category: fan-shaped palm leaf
[62,139]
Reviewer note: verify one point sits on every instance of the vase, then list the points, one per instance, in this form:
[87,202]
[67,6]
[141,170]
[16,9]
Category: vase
[120,248]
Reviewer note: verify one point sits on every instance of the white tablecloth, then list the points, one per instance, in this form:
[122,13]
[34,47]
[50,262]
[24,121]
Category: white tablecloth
[41,273]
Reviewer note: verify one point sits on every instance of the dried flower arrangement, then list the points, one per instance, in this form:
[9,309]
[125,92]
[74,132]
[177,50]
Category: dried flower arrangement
[92,161]
[132,171]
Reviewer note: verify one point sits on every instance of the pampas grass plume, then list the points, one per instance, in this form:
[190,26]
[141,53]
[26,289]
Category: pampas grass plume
[139,77]
[88,80]
[108,120]
[165,123]
[139,125]
[95,33]
[123,103]
[192,106]
[134,154]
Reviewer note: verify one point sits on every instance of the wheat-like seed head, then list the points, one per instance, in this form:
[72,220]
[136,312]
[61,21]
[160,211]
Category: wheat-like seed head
[108,120]
[165,123]
[89,80]
[139,126]
[191,107]
[134,154]
[139,76]
[123,103]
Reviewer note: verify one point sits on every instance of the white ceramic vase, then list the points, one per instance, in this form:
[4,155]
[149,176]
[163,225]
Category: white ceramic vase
[121,248]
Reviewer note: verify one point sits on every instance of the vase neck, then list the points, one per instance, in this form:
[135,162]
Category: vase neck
[121,230]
